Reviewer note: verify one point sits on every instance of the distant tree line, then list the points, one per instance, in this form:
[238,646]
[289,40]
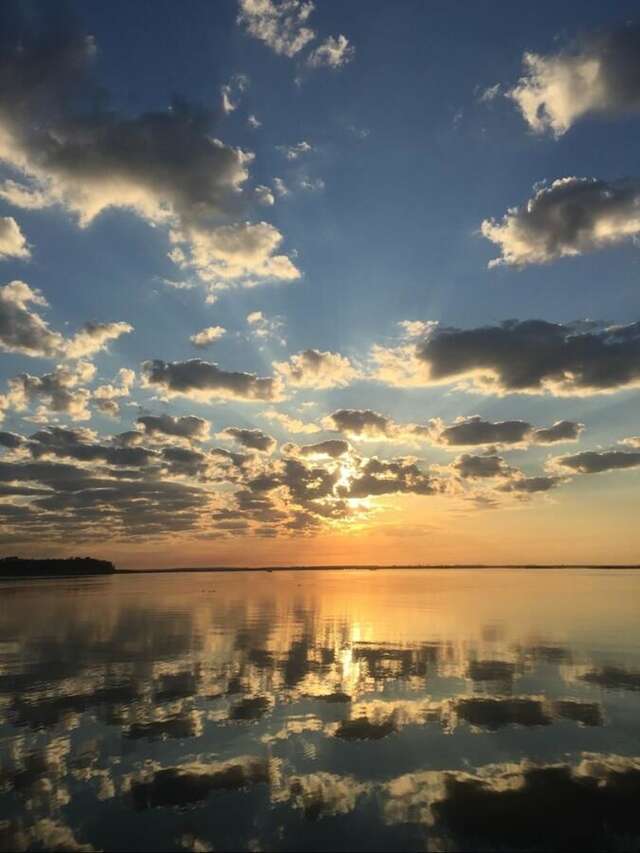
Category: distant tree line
[18,567]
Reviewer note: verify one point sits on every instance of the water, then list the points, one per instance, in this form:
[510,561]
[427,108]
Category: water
[386,710]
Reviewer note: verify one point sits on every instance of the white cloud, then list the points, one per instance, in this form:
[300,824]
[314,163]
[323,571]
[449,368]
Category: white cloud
[597,74]
[208,336]
[280,25]
[243,252]
[333,53]
[294,152]
[316,369]
[13,243]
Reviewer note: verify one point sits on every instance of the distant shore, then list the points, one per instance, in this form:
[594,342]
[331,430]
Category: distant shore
[373,568]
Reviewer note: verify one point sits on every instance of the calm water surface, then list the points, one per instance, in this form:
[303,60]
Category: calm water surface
[387,710]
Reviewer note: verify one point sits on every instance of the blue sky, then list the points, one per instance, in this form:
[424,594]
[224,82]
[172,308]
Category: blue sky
[375,220]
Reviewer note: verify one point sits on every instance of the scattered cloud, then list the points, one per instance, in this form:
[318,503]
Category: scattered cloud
[294,152]
[189,427]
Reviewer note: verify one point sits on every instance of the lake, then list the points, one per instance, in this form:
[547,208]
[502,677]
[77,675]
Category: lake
[341,710]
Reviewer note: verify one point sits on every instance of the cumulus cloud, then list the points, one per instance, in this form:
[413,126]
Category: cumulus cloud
[21,329]
[190,427]
[521,357]
[333,53]
[597,74]
[24,331]
[474,430]
[316,369]
[363,423]
[597,461]
[105,396]
[243,252]
[208,336]
[202,380]
[567,218]
[58,391]
[168,167]
[393,476]
[93,338]
[13,243]
[490,465]
[254,439]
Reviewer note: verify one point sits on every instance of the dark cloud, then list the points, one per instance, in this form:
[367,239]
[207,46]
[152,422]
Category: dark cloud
[474,430]
[570,217]
[333,447]
[534,357]
[529,485]
[206,381]
[597,461]
[187,426]
[360,422]
[472,466]
[254,439]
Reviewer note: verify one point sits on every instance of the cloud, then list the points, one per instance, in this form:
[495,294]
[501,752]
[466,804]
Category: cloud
[23,331]
[202,380]
[570,217]
[521,357]
[290,424]
[597,74]
[280,187]
[13,243]
[393,476]
[470,466]
[168,167]
[474,430]
[59,390]
[529,485]
[264,196]
[232,91]
[208,336]
[293,152]
[253,122]
[266,328]
[93,338]
[333,53]
[333,447]
[362,423]
[105,396]
[254,439]
[597,461]
[281,26]
[243,252]
[190,427]
[315,369]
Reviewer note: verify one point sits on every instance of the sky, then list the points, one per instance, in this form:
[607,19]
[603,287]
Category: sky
[315,283]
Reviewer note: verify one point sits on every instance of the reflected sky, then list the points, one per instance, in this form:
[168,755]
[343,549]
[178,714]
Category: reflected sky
[383,710]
